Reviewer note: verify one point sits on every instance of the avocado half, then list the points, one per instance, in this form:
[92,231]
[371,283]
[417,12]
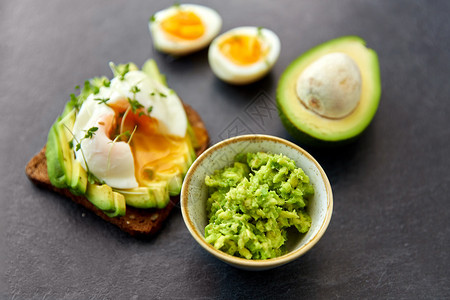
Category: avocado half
[312,129]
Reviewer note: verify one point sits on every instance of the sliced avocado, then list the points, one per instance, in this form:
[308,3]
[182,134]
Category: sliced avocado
[151,69]
[174,181]
[104,198]
[119,204]
[174,185]
[54,155]
[312,128]
[63,170]
[79,180]
[62,128]
[192,137]
[160,192]
[59,155]
[156,194]
[139,197]
[101,196]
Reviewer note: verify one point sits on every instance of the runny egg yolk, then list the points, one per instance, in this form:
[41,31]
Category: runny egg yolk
[154,153]
[184,24]
[242,49]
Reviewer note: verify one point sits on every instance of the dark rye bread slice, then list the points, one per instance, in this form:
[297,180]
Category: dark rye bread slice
[136,222]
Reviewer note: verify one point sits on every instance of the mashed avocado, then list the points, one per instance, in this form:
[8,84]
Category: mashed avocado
[252,204]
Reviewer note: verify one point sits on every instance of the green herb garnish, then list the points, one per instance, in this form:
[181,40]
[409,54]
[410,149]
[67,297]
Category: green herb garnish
[88,135]
[102,100]
[120,70]
[135,105]
[259,30]
[135,89]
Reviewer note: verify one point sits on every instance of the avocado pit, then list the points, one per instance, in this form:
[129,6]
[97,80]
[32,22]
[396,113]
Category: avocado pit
[330,86]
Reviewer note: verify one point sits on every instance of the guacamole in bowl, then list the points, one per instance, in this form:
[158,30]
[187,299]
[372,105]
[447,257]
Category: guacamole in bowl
[254,202]
[210,168]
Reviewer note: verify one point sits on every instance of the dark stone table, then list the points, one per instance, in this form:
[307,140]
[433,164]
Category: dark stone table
[389,236]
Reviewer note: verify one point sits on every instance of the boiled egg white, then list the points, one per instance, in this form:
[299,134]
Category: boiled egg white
[244,54]
[184,28]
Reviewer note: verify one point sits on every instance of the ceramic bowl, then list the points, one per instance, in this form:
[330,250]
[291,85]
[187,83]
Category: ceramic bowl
[194,194]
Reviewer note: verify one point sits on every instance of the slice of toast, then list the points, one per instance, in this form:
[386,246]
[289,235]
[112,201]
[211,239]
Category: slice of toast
[136,222]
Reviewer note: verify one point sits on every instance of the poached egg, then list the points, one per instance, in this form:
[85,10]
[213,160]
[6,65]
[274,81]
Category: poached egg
[138,120]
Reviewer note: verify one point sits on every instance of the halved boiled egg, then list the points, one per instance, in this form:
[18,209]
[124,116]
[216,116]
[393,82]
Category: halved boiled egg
[244,54]
[184,28]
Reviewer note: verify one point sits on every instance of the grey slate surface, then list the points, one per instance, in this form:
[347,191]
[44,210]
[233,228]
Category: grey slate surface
[389,234]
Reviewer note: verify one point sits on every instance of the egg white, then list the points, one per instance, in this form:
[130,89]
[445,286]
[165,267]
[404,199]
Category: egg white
[230,72]
[170,44]
[112,163]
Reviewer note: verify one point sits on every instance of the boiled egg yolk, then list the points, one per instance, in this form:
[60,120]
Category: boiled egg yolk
[184,25]
[242,49]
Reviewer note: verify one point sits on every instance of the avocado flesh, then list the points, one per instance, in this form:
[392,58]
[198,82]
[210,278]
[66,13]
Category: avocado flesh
[311,128]
[157,192]
[79,179]
[104,198]
[58,153]
[76,175]
[66,172]
[119,204]
[55,159]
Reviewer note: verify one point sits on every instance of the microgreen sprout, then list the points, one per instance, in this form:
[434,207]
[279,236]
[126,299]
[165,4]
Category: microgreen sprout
[102,100]
[120,70]
[152,94]
[119,136]
[89,134]
[135,105]
[259,29]
[135,89]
